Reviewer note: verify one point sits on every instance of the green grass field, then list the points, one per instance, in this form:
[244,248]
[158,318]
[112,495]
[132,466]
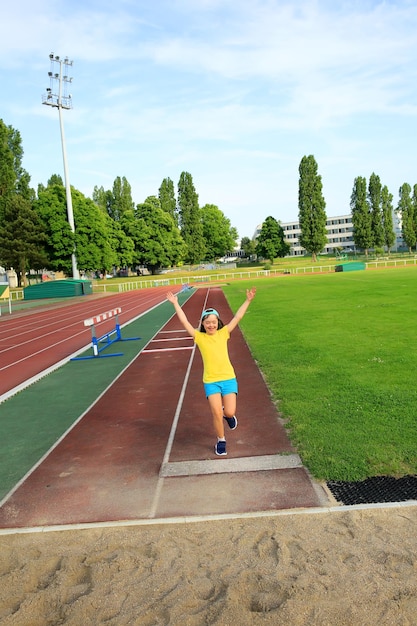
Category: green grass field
[338,353]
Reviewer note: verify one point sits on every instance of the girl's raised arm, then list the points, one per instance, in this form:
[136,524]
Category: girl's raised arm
[250,294]
[180,313]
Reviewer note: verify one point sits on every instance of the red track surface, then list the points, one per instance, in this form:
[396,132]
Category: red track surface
[110,466]
[37,339]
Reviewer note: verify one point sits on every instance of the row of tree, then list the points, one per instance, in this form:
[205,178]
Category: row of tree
[111,231]
[372,214]
[371,208]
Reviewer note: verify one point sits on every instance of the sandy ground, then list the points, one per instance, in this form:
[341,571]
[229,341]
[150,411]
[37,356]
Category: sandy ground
[350,567]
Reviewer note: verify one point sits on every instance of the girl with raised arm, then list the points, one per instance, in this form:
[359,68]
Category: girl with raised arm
[219,377]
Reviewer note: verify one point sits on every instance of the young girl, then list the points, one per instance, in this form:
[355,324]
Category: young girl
[219,377]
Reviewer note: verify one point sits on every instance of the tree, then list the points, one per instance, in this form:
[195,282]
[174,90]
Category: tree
[271,240]
[407,209]
[248,246]
[13,178]
[167,199]
[103,199]
[361,216]
[92,235]
[414,201]
[22,238]
[115,204]
[157,239]
[190,219]
[387,221]
[121,199]
[7,172]
[375,208]
[122,245]
[21,233]
[311,206]
[100,243]
[51,206]
[219,236]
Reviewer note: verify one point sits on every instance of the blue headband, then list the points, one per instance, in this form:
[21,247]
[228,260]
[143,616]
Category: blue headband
[209,312]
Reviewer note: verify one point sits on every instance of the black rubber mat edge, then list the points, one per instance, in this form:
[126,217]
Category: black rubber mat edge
[375,490]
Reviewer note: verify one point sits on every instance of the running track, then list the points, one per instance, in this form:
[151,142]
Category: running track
[144,450]
[44,337]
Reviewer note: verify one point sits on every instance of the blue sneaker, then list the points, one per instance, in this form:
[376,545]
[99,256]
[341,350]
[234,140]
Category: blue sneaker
[220,448]
[232,422]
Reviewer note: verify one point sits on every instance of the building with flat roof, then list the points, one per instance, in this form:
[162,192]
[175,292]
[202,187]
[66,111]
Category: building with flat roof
[339,235]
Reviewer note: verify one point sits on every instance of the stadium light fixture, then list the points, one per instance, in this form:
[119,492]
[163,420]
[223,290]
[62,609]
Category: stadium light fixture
[56,96]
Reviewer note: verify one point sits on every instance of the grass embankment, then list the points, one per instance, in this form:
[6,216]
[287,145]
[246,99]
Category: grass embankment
[338,353]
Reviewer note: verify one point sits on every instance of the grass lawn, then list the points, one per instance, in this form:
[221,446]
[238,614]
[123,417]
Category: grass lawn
[339,356]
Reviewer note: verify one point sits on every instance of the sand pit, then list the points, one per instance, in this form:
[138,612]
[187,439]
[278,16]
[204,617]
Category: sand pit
[345,567]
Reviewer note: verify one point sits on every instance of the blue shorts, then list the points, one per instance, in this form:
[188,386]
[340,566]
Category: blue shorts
[223,387]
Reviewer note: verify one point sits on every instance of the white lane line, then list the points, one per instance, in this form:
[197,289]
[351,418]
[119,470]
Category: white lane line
[228,466]
[167,349]
[171,437]
[173,339]
[160,483]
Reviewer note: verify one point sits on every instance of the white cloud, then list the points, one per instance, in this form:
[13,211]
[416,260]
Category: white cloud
[234,93]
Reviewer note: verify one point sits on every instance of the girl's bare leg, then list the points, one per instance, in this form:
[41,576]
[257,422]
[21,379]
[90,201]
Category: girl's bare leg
[216,407]
[229,404]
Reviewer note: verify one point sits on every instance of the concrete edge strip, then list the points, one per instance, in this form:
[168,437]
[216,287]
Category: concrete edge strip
[229,466]
[208,518]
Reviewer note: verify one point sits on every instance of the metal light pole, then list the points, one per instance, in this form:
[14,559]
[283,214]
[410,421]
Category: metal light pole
[62,100]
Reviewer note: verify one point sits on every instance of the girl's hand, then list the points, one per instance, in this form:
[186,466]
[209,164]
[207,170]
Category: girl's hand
[171,298]
[250,294]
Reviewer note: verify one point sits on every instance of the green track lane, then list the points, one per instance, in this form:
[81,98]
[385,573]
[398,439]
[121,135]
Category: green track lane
[33,420]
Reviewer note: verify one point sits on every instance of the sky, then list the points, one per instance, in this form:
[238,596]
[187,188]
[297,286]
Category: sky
[235,92]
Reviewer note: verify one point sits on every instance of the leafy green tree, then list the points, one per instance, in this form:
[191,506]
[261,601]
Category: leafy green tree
[22,237]
[387,221]
[406,208]
[115,204]
[103,199]
[121,198]
[271,240]
[51,206]
[414,202]
[92,235]
[190,219]
[361,216]
[219,236]
[7,172]
[311,206]
[375,207]
[116,201]
[21,233]
[56,179]
[99,241]
[157,239]
[13,177]
[167,199]
[120,244]
[248,246]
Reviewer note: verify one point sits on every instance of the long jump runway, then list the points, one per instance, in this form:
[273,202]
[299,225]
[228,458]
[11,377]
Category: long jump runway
[145,449]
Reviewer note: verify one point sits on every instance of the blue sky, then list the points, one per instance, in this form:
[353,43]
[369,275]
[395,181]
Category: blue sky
[235,92]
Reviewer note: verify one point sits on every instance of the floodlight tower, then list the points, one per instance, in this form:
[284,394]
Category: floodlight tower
[57,96]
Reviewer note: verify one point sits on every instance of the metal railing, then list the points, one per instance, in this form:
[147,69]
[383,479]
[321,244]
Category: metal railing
[154,281]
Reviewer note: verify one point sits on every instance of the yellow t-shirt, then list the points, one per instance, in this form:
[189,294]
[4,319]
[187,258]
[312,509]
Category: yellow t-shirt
[216,362]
